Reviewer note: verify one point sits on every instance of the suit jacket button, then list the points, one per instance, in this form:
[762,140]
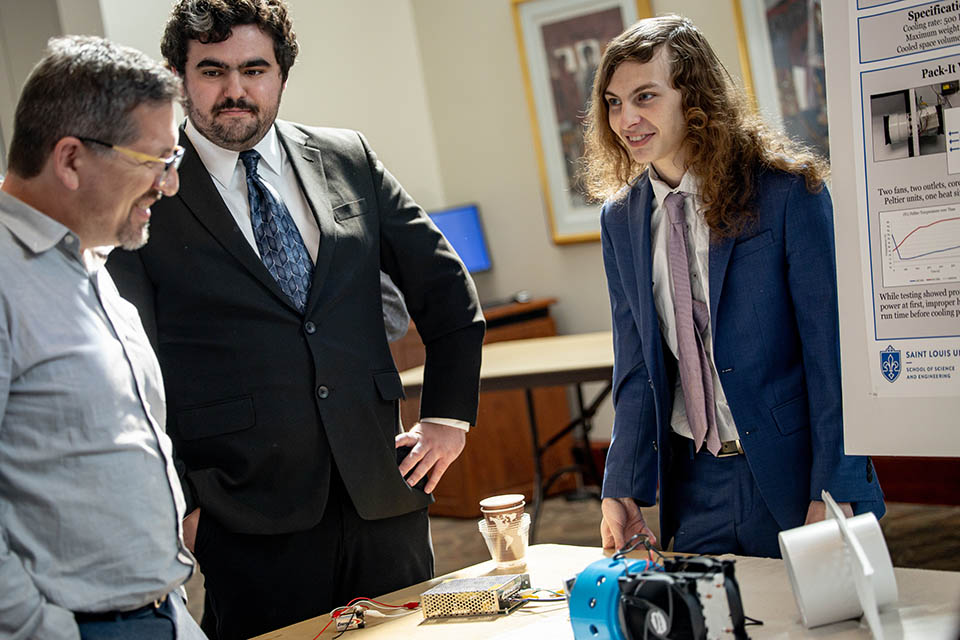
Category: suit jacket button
[309,327]
[323,392]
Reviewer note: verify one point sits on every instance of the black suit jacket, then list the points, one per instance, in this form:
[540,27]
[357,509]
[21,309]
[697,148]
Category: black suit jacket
[261,399]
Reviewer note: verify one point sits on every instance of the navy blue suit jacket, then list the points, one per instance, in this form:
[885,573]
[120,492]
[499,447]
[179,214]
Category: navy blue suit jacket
[774,319]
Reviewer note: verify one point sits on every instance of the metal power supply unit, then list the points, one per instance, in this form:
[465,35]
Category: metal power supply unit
[483,596]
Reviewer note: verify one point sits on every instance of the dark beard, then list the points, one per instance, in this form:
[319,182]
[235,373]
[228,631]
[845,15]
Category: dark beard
[236,136]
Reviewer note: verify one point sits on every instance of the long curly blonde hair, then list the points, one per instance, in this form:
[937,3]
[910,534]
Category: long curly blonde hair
[726,142]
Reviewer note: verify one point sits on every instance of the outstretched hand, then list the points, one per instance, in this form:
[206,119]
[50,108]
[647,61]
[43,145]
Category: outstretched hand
[621,521]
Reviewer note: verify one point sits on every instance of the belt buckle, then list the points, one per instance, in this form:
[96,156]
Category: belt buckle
[730,448]
[159,602]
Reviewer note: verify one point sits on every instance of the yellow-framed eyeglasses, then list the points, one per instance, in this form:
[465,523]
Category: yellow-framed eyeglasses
[171,162]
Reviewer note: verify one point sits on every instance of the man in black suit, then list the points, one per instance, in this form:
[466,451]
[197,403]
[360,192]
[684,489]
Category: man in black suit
[260,289]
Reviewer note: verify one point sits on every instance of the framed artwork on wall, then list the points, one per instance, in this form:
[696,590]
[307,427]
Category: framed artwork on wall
[781,53]
[561,42]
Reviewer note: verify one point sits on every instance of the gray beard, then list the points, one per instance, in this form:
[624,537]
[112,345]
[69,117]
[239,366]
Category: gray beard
[132,239]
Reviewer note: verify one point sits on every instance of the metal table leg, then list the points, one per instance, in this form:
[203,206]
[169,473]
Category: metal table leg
[537,466]
[540,487]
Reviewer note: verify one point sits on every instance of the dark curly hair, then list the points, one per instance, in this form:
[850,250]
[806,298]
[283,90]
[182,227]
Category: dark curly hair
[209,21]
[727,143]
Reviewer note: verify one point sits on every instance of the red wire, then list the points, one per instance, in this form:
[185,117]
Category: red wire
[339,610]
[324,629]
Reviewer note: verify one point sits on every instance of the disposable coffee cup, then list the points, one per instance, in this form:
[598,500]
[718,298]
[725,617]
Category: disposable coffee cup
[507,543]
[502,511]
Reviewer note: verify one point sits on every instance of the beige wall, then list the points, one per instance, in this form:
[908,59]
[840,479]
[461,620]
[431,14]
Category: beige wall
[80,16]
[360,67]
[25,28]
[135,24]
[486,152]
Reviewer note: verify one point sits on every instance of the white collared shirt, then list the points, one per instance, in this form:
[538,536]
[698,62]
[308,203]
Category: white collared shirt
[274,168]
[698,259]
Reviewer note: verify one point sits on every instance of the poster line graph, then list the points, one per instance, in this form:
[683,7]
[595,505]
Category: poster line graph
[921,245]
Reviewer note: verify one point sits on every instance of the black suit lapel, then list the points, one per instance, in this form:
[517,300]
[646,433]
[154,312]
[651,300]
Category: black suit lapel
[200,195]
[308,167]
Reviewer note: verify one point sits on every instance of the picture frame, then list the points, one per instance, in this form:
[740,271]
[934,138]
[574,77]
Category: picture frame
[560,44]
[781,55]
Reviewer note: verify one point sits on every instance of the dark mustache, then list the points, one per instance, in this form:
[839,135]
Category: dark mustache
[230,103]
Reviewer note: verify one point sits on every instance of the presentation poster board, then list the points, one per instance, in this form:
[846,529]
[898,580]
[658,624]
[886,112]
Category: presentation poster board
[893,93]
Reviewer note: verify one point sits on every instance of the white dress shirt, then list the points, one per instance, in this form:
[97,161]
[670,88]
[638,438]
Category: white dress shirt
[698,259]
[275,170]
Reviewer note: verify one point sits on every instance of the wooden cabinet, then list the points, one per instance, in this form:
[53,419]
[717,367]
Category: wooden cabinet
[498,457]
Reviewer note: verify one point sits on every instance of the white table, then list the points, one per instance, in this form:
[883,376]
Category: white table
[929,606]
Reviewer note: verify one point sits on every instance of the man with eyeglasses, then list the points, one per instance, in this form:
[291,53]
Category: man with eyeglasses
[91,545]
[169,163]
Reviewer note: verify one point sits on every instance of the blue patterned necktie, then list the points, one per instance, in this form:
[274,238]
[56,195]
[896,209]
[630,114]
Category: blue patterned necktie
[278,239]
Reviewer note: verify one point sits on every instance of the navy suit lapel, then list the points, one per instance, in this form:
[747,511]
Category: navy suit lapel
[200,195]
[719,259]
[308,167]
[640,206]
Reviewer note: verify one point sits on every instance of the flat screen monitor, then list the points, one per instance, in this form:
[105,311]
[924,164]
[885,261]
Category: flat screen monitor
[461,226]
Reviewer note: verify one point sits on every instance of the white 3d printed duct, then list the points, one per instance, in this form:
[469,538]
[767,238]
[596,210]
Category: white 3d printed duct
[839,568]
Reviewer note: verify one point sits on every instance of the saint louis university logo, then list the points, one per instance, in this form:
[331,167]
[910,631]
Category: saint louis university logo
[890,363]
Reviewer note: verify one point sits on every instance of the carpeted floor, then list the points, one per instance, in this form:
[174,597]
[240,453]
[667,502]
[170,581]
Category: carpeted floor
[918,536]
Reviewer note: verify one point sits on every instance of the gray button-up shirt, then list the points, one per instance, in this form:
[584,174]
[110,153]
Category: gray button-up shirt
[90,502]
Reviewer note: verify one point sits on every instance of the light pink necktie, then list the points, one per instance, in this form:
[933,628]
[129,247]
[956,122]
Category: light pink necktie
[692,316]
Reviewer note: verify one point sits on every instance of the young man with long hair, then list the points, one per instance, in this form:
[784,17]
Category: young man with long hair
[719,253]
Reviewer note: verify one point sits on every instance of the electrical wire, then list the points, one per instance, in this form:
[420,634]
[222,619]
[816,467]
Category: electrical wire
[942,98]
[528,595]
[638,539]
[367,605]
[347,627]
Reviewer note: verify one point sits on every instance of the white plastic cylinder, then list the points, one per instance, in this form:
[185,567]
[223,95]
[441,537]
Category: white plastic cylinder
[821,572]
[898,127]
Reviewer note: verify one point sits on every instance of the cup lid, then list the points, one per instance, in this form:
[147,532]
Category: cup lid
[502,502]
